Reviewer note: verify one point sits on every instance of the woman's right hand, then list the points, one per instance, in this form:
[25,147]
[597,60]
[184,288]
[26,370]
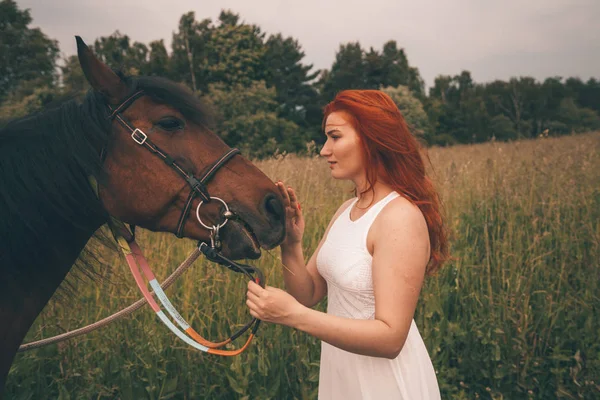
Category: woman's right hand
[293,215]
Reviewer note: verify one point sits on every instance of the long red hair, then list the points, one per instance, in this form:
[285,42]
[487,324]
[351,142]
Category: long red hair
[393,155]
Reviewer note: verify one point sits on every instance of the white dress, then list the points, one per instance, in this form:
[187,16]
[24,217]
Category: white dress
[345,263]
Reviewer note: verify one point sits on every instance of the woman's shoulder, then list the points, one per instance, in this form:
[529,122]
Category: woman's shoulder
[401,225]
[401,213]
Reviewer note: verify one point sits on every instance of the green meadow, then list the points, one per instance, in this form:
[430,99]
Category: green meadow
[513,315]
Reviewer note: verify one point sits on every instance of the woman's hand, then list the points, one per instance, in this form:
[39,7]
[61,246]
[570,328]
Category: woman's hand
[272,305]
[293,214]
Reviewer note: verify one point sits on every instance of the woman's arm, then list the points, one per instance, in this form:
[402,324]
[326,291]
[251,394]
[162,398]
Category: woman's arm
[400,245]
[302,281]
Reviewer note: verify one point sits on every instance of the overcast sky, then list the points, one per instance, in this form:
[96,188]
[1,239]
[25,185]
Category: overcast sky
[491,39]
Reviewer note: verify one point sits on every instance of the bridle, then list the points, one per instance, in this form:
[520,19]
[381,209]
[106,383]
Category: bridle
[125,237]
[198,186]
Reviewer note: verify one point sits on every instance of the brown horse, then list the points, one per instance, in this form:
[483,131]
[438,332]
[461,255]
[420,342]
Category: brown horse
[146,142]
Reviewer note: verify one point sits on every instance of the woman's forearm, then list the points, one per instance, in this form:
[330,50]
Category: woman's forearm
[298,281]
[372,338]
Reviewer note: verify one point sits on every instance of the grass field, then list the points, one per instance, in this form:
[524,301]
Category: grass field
[514,315]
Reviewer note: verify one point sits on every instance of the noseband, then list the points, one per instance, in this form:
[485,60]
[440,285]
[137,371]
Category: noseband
[126,239]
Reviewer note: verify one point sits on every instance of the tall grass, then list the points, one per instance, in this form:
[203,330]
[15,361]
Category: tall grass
[514,314]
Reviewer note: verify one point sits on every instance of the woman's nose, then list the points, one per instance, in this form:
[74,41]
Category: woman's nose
[325,150]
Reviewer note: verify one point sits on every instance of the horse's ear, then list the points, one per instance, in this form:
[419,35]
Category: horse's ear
[99,75]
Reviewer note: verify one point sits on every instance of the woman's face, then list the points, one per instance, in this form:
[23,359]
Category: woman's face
[342,148]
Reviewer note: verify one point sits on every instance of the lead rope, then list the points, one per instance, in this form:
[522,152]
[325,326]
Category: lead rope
[136,261]
[116,316]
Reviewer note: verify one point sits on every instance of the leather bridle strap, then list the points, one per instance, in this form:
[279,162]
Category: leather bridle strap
[198,186]
[193,193]
[125,103]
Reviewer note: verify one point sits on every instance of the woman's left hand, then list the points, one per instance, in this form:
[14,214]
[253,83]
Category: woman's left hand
[272,304]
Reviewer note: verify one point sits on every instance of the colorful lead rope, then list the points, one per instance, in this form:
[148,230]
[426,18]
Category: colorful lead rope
[136,260]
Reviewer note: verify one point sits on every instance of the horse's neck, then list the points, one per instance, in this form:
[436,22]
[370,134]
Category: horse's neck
[22,300]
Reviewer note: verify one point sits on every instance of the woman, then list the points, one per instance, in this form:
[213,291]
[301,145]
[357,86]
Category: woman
[372,259]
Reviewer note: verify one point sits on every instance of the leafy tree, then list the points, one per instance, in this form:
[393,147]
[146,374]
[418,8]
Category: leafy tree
[158,59]
[456,107]
[72,76]
[228,17]
[236,52]
[246,118]
[502,128]
[441,89]
[396,70]
[553,91]
[354,68]
[575,118]
[374,70]
[117,52]
[519,100]
[189,58]
[412,110]
[296,96]
[347,72]
[27,56]
[230,52]
[585,94]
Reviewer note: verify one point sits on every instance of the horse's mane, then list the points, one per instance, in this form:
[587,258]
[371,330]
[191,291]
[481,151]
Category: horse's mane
[45,161]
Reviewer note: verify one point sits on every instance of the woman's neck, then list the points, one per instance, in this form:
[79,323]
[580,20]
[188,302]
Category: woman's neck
[377,192]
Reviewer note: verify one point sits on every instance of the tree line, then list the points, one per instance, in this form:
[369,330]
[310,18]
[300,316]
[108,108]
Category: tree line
[267,99]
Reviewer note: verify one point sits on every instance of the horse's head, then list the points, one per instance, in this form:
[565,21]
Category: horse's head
[150,190]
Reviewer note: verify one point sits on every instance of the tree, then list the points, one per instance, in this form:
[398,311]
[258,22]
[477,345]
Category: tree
[456,107]
[502,128]
[412,110]
[397,71]
[575,118]
[158,60]
[585,94]
[72,76]
[519,100]
[231,53]
[347,72]
[354,68]
[553,92]
[297,98]
[189,58]
[118,53]
[236,52]
[374,70]
[246,118]
[228,17]
[27,56]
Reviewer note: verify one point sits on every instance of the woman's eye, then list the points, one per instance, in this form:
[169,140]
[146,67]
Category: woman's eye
[170,124]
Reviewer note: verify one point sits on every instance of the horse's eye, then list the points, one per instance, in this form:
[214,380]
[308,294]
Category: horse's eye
[170,124]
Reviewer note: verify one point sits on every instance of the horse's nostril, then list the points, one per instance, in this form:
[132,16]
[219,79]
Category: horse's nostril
[273,207]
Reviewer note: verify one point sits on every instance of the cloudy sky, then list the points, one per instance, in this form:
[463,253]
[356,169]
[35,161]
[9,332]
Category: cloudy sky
[492,39]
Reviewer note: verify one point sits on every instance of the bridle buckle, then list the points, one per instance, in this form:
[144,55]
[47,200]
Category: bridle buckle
[139,136]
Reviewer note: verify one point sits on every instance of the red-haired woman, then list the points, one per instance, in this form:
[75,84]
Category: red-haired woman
[371,262]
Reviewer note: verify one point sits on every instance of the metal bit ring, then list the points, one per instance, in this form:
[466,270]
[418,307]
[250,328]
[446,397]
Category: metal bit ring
[213,227]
